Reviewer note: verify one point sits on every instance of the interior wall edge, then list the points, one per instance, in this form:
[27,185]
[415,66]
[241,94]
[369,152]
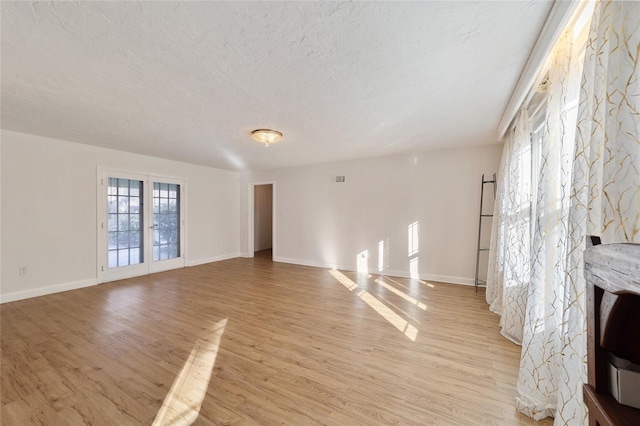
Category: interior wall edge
[202,261]
[43,291]
[388,272]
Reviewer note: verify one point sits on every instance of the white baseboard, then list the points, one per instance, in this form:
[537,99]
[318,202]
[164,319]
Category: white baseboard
[43,291]
[315,264]
[390,272]
[449,279]
[212,259]
[430,277]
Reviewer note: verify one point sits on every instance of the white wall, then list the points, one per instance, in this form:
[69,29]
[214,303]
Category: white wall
[322,223]
[48,193]
[263,217]
[49,211]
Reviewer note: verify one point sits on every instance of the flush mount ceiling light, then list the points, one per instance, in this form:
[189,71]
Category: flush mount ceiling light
[266,136]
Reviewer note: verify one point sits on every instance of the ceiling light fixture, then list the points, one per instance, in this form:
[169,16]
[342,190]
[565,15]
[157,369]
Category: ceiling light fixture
[266,136]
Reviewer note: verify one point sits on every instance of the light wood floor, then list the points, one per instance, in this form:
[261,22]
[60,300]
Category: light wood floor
[248,341]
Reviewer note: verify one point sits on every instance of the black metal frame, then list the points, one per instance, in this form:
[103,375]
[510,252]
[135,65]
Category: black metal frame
[478,282]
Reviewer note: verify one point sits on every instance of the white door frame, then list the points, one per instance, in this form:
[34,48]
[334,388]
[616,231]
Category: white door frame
[101,215]
[176,262]
[251,221]
[147,266]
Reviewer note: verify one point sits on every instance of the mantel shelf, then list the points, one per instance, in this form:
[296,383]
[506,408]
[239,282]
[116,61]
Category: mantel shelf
[612,272]
[614,413]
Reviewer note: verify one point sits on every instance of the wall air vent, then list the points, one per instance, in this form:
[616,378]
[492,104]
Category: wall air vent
[340,179]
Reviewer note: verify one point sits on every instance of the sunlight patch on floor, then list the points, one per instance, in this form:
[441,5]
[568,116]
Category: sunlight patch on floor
[387,313]
[403,295]
[182,404]
[343,279]
[394,319]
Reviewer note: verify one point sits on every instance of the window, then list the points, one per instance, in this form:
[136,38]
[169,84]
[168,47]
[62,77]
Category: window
[125,222]
[140,226]
[166,221]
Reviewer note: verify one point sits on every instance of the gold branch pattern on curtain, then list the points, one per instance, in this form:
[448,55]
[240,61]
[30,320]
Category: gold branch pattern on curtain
[605,194]
[509,272]
[588,183]
[542,334]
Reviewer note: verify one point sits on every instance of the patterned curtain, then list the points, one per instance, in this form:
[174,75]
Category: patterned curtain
[542,333]
[509,270]
[589,183]
[605,193]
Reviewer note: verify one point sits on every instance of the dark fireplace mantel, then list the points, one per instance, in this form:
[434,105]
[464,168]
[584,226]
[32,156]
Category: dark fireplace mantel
[612,272]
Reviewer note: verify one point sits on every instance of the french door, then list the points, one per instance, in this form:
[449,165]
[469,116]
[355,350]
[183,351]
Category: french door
[140,224]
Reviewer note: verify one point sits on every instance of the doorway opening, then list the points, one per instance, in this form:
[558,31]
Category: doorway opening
[263,221]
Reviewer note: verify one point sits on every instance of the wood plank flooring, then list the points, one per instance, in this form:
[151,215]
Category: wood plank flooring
[249,341]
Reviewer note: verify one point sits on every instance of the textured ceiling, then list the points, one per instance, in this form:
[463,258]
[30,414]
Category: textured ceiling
[190,80]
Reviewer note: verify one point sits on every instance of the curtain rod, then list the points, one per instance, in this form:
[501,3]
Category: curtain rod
[558,18]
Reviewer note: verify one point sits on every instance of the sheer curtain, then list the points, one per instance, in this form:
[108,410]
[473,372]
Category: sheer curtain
[605,190]
[509,271]
[542,332]
[589,183]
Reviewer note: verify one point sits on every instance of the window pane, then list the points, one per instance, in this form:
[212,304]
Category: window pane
[123,204]
[113,240]
[123,257]
[112,187]
[172,220]
[134,205]
[134,188]
[156,252]
[123,186]
[164,205]
[123,222]
[113,258]
[123,240]
[173,191]
[164,236]
[112,222]
[164,190]
[112,202]
[134,256]
[134,239]
[134,222]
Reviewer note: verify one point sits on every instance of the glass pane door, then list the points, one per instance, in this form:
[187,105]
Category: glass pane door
[166,225]
[166,221]
[140,227]
[124,222]
[121,226]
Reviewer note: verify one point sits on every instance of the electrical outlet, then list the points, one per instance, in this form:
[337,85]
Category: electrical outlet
[22,271]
